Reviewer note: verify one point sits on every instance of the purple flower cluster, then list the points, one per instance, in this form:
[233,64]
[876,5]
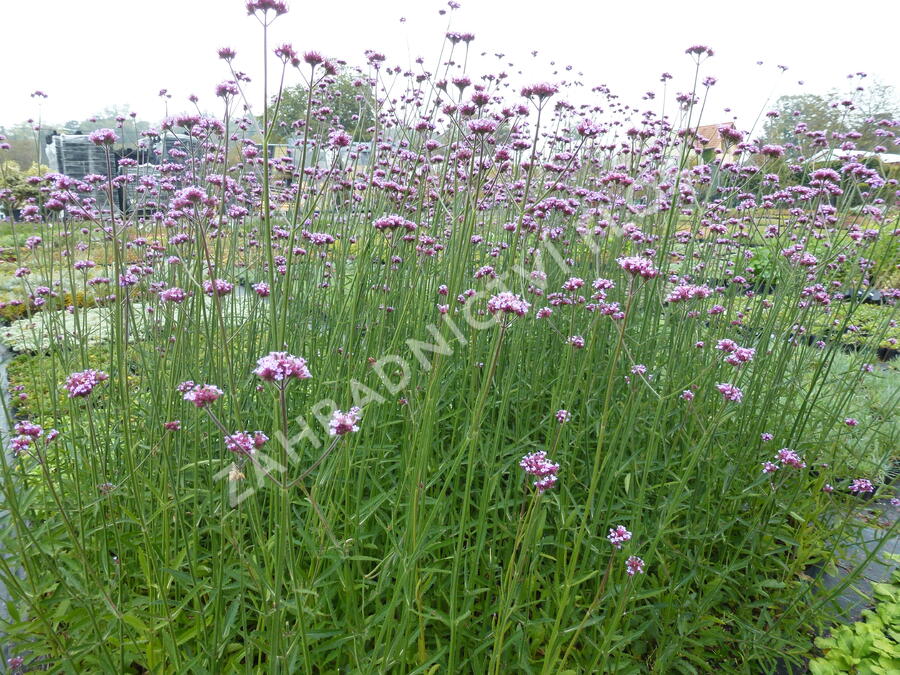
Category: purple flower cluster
[508,303]
[634,565]
[790,458]
[638,266]
[861,486]
[103,137]
[537,464]
[618,535]
[344,422]
[83,383]
[730,392]
[736,355]
[201,395]
[242,443]
[217,287]
[394,222]
[281,366]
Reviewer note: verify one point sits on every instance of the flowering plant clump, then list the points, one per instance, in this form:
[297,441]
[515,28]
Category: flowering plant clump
[655,295]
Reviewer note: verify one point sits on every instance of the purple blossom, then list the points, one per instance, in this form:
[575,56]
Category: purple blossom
[634,565]
[242,443]
[201,395]
[173,294]
[537,464]
[482,126]
[730,392]
[103,137]
[618,535]
[637,266]
[281,366]
[83,383]
[264,6]
[217,287]
[393,222]
[790,458]
[27,428]
[861,485]
[542,90]
[344,422]
[508,303]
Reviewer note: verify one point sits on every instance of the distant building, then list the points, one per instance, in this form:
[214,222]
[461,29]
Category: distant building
[710,145]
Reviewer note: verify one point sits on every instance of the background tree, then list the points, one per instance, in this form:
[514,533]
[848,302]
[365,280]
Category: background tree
[858,111]
[342,101]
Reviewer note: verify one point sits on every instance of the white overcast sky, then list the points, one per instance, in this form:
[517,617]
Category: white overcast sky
[90,54]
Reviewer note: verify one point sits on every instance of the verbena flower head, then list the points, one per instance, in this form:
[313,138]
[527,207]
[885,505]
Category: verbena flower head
[281,366]
[173,294]
[790,458]
[393,222]
[541,90]
[242,443]
[861,485]
[508,303]
[618,535]
[634,565]
[638,266]
[27,428]
[201,395]
[730,392]
[344,422]
[264,6]
[226,89]
[563,416]
[589,129]
[576,341]
[699,51]
[83,383]
[537,464]
[103,137]
[482,126]
[217,287]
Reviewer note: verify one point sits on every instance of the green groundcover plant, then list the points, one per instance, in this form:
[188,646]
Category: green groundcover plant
[870,646]
[501,390]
